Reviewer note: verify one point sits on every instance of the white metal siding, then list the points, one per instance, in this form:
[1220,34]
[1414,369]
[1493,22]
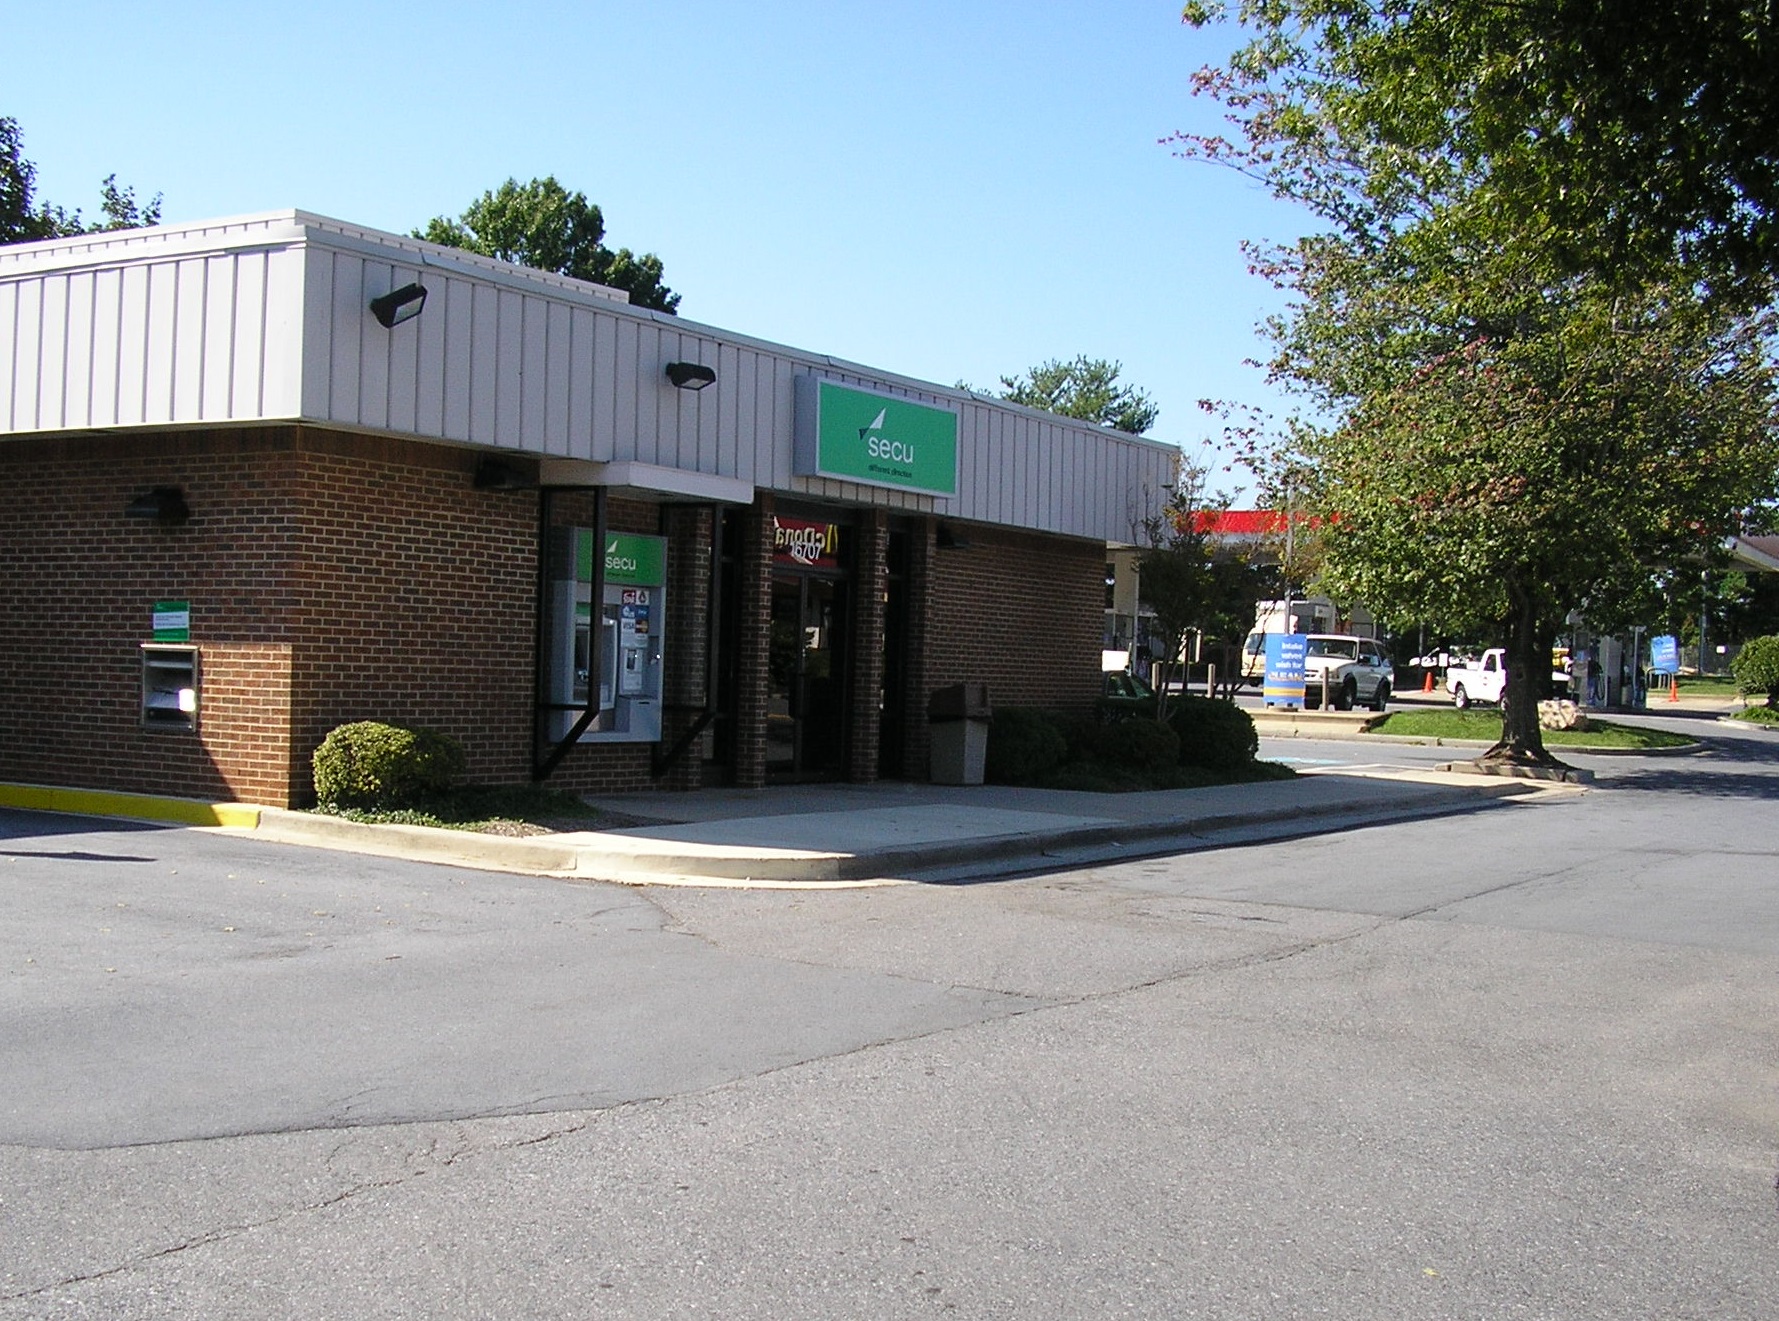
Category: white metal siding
[529,370]
[187,340]
[267,319]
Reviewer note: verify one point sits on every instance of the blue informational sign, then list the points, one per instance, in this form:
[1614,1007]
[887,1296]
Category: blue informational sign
[1284,669]
[1664,654]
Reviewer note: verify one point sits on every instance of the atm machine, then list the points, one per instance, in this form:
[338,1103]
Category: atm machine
[632,619]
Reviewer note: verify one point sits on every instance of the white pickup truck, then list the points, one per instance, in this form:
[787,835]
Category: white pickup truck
[1478,681]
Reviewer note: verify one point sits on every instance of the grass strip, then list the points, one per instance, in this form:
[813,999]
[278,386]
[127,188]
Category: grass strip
[1487,725]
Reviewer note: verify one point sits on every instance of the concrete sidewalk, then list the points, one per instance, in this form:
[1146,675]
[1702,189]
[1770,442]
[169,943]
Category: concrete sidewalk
[849,835]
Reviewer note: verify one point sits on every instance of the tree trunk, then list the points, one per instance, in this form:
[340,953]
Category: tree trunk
[1522,739]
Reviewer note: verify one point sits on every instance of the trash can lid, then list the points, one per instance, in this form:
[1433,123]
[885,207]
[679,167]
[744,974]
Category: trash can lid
[960,701]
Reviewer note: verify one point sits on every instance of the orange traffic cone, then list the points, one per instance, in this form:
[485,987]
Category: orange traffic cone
[1673,687]
[1427,684]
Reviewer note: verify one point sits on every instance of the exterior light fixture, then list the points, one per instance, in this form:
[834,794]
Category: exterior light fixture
[164,504]
[399,305]
[501,475]
[946,537]
[691,375]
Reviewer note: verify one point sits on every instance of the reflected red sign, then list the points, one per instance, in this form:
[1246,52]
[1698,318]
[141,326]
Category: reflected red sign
[812,545]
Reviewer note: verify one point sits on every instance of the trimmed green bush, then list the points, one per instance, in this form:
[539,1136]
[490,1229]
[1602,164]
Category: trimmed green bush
[1145,746]
[1756,667]
[375,765]
[1216,735]
[1022,745]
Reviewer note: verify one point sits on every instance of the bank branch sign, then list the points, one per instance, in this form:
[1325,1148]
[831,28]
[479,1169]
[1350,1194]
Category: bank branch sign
[878,439]
[628,559]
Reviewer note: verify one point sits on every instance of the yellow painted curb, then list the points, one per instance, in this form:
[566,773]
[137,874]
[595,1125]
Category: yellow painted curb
[141,807]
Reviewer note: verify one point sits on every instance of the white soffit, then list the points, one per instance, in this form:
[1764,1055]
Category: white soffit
[646,477]
[1746,552]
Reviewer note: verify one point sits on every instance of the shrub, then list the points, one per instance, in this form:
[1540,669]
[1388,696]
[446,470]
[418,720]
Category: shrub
[1218,736]
[1756,667]
[372,764]
[1146,746]
[1022,745]
[1079,729]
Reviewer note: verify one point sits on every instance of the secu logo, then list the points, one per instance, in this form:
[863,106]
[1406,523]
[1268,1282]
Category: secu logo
[622,563]
[879,446]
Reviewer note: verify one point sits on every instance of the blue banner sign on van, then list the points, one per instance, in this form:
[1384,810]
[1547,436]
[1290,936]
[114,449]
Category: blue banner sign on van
[1284,669]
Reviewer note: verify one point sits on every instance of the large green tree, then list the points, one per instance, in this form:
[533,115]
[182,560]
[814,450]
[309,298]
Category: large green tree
[1493,484]
[1611,137]
[1520,408]
[542,225]
[23,218]
[1084,388]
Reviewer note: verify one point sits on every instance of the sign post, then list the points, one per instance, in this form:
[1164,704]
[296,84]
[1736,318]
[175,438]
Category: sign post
[1664,658]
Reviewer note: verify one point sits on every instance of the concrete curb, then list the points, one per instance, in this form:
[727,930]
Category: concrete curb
[898,862]
[634,860]
[1312,724]
[1547,774]
[620,860]
[134,807]
[530,854]
[1578,749]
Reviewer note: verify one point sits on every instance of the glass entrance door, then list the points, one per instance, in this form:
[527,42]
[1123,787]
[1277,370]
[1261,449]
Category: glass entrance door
[806,678]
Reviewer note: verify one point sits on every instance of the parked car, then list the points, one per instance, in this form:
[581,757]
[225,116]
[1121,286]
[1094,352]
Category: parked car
[1355,670]
[1478,681]
[1126,695]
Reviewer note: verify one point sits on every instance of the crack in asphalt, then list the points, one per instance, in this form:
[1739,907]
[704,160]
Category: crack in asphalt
[223,1233]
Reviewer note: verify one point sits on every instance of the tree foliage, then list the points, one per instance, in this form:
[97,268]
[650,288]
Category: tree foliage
[1756,668]
[1611,138]
[1085,388]
[1533,385]
[23,218]
[1190,582]
[542,225]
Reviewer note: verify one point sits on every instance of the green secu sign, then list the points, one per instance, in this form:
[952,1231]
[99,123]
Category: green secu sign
[630,559]
[877,439]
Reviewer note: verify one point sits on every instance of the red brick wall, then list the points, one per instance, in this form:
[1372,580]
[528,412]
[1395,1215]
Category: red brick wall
[331,578]
[754,561]
[869,582]
[416,598]
[335,578]
[1019,610]
[78,582]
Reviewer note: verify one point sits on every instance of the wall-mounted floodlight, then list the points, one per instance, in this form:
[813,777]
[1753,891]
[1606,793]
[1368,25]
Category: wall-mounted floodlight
[691,375]
[164,504]
[399,305]
[502,475]
[946,537]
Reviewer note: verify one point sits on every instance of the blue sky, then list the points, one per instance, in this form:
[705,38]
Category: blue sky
[954,191]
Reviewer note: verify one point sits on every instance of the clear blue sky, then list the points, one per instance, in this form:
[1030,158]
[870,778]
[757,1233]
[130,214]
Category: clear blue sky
[954,191]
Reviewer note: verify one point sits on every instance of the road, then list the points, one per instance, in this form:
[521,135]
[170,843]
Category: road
[1518,1063]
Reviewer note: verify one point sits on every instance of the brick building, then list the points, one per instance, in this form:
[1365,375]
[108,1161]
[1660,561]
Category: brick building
[262,476]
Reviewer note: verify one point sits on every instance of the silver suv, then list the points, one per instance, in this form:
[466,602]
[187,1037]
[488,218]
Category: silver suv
[1357,670]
